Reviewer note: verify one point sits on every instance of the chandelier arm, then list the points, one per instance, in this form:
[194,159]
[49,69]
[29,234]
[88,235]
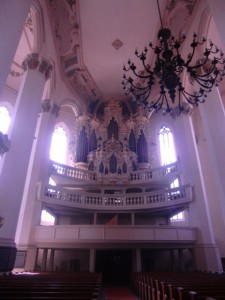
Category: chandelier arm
[179,70]
[200,63]
[144,100]
[132,67]
[139,74]
[157,106]
[206,78]
[194,98]
[179,102]
[154,104]
[140,95]
[140,87]
[214,72]
[190,57]
[167,103]
[161,95]
[205,84]
[147,69]
[221,61]
[194,45]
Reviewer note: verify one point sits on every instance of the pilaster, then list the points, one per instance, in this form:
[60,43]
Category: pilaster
[199,213]
[16,163]
[217,9]
[13,15]
[39,165]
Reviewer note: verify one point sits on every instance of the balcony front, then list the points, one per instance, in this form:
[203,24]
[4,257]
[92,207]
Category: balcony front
[79,235]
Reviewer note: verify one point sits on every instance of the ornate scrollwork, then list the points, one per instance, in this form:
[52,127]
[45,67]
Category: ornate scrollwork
[34,62]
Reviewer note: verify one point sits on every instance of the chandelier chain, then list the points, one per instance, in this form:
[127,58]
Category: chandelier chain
[160,17]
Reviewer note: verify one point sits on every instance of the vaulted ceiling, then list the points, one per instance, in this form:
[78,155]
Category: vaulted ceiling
[95,38]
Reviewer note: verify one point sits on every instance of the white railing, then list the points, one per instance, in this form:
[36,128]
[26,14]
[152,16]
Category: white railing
[155,173]
[137,176]
[162,198]
[67,171]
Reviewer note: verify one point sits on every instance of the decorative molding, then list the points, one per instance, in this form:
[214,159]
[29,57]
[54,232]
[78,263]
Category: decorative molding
[117,44]
[189,4]
[15,73]
[34,62]
[178,14]
[65,18]
[49,106]
[29,22]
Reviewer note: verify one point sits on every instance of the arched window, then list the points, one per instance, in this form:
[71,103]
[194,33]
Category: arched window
[4,119]
[167,148]
[58,151]
[168,156]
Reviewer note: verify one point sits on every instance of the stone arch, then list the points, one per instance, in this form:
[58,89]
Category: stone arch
[38,30]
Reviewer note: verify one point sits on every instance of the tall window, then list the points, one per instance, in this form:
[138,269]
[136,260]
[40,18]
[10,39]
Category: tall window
[167,149]
[4,119]
[168,156]
[58,151]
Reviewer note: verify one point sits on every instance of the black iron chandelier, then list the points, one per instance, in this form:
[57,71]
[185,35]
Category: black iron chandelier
[168,71]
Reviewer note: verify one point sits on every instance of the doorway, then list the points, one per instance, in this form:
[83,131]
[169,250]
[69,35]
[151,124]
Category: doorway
[115,266]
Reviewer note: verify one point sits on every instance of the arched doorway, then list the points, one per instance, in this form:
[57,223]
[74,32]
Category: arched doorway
[115,265]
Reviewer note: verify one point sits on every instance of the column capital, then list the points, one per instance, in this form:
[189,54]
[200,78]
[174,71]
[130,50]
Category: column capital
[48,105]
[34,62]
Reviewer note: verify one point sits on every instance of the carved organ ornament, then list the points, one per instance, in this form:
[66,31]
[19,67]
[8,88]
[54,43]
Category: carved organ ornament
[111,145]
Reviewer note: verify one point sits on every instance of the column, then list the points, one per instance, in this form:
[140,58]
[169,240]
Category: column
[92,260]
[213,119]
[172,260]
[138,260]
[132,218]
[181,260]
[51,260]
[13,15]
[217,8]
[44,259]
[95,218]
[38,176]
[206,251]
[16,162]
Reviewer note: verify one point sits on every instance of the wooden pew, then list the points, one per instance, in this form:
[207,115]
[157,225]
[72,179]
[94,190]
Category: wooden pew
[80,285]
[180,285]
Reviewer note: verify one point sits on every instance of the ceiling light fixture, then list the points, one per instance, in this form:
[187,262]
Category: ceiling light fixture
[168,72]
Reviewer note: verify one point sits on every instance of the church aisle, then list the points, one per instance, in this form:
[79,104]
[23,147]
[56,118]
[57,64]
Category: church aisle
[118,293]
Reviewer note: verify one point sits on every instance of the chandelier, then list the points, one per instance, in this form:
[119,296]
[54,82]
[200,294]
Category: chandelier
[168,71]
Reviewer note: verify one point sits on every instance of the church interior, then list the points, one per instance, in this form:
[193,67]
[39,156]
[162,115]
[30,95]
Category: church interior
[112,157]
